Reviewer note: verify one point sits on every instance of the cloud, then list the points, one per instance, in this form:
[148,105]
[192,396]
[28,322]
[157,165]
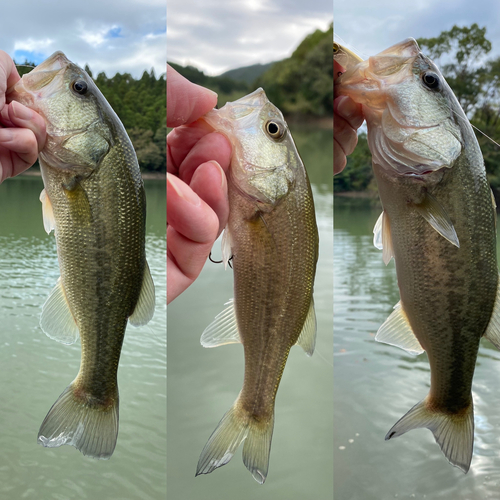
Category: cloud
[104,35]
[217,35]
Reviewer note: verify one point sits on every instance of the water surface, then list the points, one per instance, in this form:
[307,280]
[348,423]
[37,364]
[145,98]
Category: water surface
[376,384]
[34,369]
[203,383]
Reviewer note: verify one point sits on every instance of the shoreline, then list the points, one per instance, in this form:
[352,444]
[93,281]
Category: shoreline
[145,175]
[356,194]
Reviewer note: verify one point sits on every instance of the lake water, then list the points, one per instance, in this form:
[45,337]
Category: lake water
[34,369]
[376,384]
[203,383]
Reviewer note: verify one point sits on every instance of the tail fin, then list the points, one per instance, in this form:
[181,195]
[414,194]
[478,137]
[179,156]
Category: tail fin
[453,432]
[237,425]
[89,428]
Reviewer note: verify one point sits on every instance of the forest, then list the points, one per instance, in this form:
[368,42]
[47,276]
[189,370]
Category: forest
[141,106]
[462,56]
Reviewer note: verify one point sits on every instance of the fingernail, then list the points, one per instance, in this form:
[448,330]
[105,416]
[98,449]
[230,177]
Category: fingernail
[21,112]
[183,190]
[223,181]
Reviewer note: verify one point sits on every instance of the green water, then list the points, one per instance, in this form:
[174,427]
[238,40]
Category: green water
[203,383]
[376,384]
[34,369]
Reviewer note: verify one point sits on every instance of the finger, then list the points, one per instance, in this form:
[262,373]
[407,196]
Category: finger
[344,135]
[192,229]
[213,146]
[350,111]
[186,102]
[339,158]
[185,260]
[188,213]
[18,151]
[181,140]
[8,75]
[23,117]
[209,182]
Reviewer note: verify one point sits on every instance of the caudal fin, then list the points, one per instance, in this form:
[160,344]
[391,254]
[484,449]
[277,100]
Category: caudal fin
[453,432]
[237,425]
[89,428]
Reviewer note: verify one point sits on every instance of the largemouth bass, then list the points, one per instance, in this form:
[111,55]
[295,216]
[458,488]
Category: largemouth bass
[272,240]
[438,223]
[94,200]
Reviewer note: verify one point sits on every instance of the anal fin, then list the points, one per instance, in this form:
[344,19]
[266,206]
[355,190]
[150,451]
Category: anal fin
[223,329]
[492,332]
[307,337]
[396,330]
[145,306]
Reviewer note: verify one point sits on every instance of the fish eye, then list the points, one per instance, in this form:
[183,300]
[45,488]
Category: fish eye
[275,129]
[336,47]
[80,87]
[431,80]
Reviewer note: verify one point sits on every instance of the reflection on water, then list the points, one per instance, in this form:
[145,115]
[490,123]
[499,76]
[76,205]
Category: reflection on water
[34,369]
[203,383]
[376,384]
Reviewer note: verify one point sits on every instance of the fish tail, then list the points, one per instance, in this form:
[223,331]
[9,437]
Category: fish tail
[89,427]
[238,425]
[454,432]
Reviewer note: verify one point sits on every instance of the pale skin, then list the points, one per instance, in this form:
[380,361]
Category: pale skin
[22,131]
[197,162]
[347,118]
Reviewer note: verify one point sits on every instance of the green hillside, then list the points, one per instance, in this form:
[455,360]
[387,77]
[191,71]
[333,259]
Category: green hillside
[247,74]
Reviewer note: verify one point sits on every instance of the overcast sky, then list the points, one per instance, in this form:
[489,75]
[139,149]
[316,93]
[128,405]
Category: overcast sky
[218,35]
[372,26]
[108,35]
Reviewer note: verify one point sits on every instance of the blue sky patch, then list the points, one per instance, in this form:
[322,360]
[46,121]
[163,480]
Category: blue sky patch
[114,32]
[20,56]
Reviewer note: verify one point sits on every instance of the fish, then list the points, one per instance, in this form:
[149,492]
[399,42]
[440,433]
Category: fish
[271,240]
[94,200]
[439,225]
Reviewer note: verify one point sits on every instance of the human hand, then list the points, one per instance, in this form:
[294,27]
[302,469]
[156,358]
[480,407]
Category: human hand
[197,202]
[22,131]
[347,118]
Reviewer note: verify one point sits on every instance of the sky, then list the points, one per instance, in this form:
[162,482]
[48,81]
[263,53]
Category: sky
[108,35]
[218,35]
[369,27]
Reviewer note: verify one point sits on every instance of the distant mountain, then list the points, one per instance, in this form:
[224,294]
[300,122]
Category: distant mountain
[247,74]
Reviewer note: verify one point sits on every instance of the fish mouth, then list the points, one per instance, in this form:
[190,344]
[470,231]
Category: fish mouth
[368,81]
[41,77]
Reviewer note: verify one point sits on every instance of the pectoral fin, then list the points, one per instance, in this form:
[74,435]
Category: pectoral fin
[396,330]
[145,306]
[49,221]
[307,337]
[432,211]
[382,237]
[493,331]
[57,321]
[223,329]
